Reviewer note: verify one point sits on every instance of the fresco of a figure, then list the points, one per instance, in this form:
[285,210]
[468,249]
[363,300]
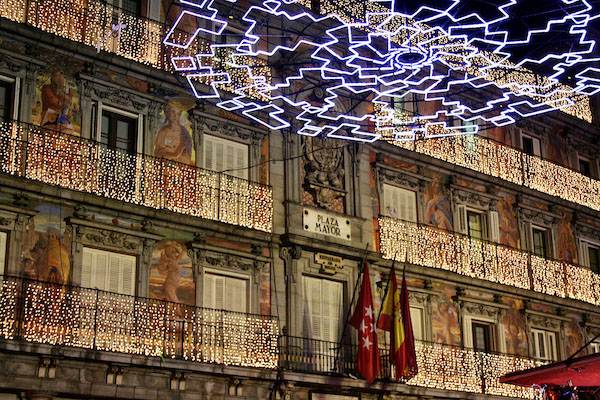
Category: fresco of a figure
[437,204]
[507,222]
[565,239]
[499,134]
[514,328]
[45,254]
[556,148]
[171,273]
[174,140]
[444,320]
[574,334]
[56,103]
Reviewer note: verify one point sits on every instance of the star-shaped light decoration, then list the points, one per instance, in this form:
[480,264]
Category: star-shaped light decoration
[397,69]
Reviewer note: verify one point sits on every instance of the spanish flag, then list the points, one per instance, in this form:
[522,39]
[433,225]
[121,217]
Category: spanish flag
[395,318]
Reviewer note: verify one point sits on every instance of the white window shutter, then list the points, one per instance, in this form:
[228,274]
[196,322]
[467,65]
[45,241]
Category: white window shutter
[332,292]
[416,318]
[390,202]
[209,153]
[536,147]
[128,275]
[236,293]
[100,271]
[87,268]
[312,297]
[399,203]
[208,300]
[219,293]
[584,254]
[410,205]
[493,227]
[460,219]
[219,156]
[114,274]
[3,237]
[241,162]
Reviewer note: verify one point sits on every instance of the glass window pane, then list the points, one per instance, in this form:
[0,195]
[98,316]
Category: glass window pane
[594,259]
[5,99]
[539,242]
[584,167]
[475,226]
[105,129]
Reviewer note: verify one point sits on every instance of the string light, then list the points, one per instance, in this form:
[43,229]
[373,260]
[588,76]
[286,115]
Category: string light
[435,248]
[79,164]
[87,318]
[501,161]
[455,368]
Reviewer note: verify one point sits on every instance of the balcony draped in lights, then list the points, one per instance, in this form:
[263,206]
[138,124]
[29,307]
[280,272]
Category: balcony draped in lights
[501,161]
[96,23]
[440,366]
[79,164]
[41,312]
[436,248]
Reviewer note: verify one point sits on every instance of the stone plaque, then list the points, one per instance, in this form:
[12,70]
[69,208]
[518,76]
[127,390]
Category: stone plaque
[327,224]
[329,264]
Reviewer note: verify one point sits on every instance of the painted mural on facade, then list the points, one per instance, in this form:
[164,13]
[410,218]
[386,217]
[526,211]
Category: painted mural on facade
[556,147]
[171,273]
[514,328]
[499,134]
[507,222]
[565,239]
[45,254]
[56,103]
[444,320]
[438,211]
[174,139]
[575,336]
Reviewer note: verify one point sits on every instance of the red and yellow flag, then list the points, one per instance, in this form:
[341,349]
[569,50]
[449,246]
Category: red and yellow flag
[395,318]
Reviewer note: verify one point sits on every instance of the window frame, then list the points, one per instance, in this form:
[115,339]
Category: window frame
[547,237]
[245,171]
[311,334]
[536,150]
[15,84]
[109,253]
[4,238]
[496,339]
[388,190]
[101,108]
[228,275]
[535,351]
[489,222]
[584,255]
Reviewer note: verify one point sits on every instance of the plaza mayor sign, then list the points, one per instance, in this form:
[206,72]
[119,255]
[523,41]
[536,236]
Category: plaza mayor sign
[326,224]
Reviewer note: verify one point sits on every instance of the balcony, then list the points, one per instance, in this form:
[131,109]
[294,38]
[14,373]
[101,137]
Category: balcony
[501,161]
[88,166]
[436,248]
[41,312]
[441,366]
[93,23]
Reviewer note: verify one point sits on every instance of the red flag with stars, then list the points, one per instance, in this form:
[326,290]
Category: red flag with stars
[363,319]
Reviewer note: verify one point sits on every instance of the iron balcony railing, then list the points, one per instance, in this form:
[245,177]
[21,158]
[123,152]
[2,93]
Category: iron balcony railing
[437,248]
[495,159]
[43,312]
[441,366]
[85,165]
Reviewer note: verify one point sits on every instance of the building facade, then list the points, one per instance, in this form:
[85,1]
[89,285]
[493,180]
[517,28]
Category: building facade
[154,246]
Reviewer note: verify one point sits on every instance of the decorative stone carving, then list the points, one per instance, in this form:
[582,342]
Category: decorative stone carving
[233,130]
[111,238]
[114,95]
[481,308]
[543,321]
[538,217]
[324,170]
[477,199]
[228,261]
[587,232]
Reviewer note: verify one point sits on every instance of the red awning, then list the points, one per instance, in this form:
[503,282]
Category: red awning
[581,371]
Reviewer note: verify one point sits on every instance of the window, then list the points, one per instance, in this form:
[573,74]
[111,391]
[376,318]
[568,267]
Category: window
[476,223]
[224,292]
[7,93]
[590,256]
[119,131]
[131,6]
[543,345]
[585,167]
[539,242]
[482,335]
[105,270]
[322,308]
[416,318]
[531,145]
[3,242]
[399,203]
[226,155]
[595,347]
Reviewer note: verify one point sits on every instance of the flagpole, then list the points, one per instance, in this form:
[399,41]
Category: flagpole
[360,271]
[386,290]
